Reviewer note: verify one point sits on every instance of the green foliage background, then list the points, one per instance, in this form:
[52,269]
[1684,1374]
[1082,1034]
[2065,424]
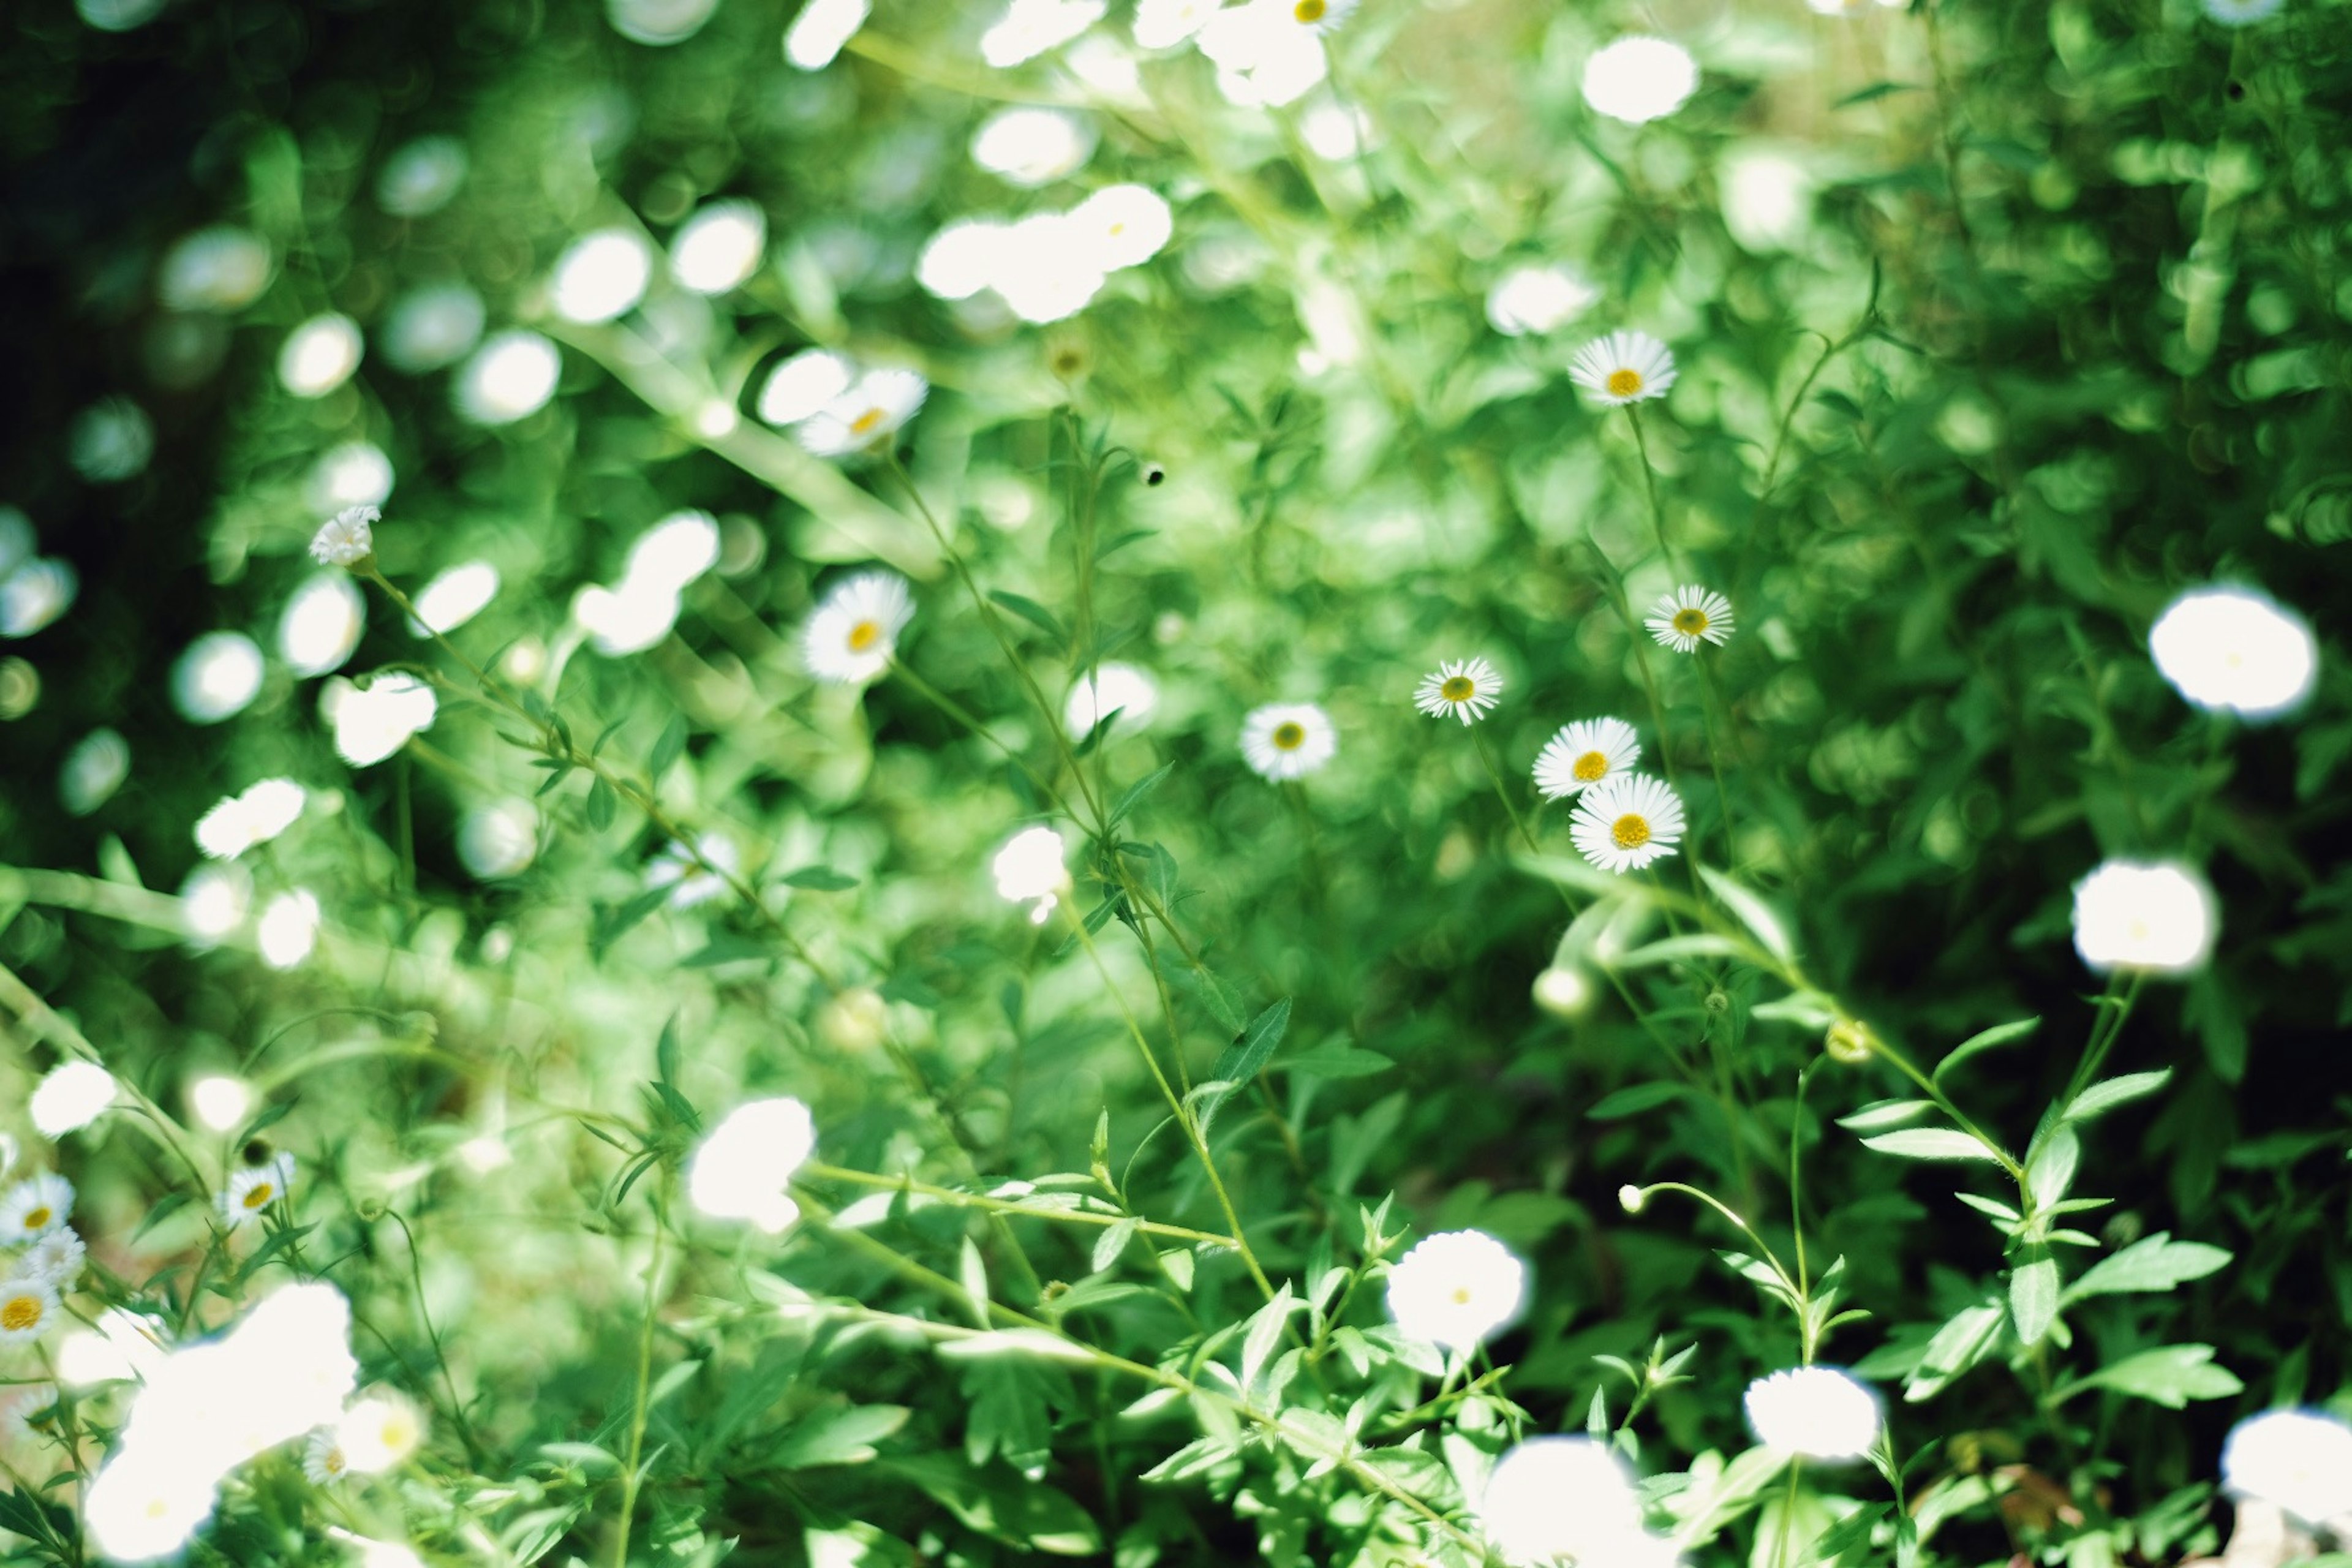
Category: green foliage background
[2064,330]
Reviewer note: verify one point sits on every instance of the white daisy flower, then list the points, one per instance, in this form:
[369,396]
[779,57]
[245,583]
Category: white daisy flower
[34,1208]
[1625,823]
[1030,147]
[1558,1499]
[56,1258]
[147,1503]
[71,1097]
[1289,739]
[1816,1411]
[1639,79]
[2242,13]
[853,634]
[1030,27]
[678,870]
[347,538]
[1584,753]
[379,1431]
[1623,367]
[1460,689]
[28,1305]
[864,418]
[1690,616]
[742,1171]
[2158,918]
[2299,1460]
[323,1461]
[1126,226]
[1321,15]
[2235,649]
[1164,24]
[803,385]
[1456,1289]
[253,1188]
[1031,869]
[1114,689]
[240,822]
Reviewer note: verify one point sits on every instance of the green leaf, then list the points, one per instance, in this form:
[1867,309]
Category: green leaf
[1667,949]
[1884,1113]
[1247,1057]
[820,878]
[1336,1060]
[1873,93]
[1036,614]
[2169,1376]
[603,805]
[838,1437]
[1113,1241]
[2051,1169]
[1753,913]
[972,1275]
[2152,1263]
[1984,1041]
[2033,1299]
[1135,793]
[1634,1098]
[667,749]
[1930,1143]
[1264,1331]
[1966,1338]
[2105,1097]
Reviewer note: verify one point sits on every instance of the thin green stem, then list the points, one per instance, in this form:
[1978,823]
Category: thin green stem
[1650,484]
[818,1171]
[637,1408]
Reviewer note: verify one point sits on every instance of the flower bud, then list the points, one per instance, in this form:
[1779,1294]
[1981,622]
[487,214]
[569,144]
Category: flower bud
[1850,1041]
[1632,1198]
[1563,993]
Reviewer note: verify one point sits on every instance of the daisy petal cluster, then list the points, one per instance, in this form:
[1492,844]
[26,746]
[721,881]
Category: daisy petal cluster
[853,634]
[1049,266]
[1287,741]
[1817,1412]
[2158,918]
[71,1097]
[801,386]
[864,418]
[1690,615]
[1584,753]
[347,538]
[1456,1289]
[240,822]
[1031,869]
[1626,822]
[1623,368]
[743,1169]
[1553,1501]
[34,1208]
[253,1188]
[2298,1460]
[1459,688]
[2235,650]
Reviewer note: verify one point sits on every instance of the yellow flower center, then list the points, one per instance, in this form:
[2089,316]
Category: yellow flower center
[1289,735]
[864,423]
[1630,831]
[258,1194]
[35,1218]
[1691,621]
[333,1462]
[1589,766]
[19,1313]
[864,635]
[1458,689]
[1462,1295]
[1624,382]
[1309,11]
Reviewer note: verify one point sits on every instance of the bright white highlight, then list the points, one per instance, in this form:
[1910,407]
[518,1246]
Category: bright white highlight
[1565,1499]
[1114,689]
[864,418]
[1030,869]
[1266,56]
[240,822]
[1164,24]
[288,929]
[1125,226]
[658,22]
[1456,1289]
[2158,917]
[510,376]
[2299,1460]
[1533,300]
[347,538]
[1033,147]
[93,771]
[2235,650]
[1030,27]
[212,903]
[743,1168]
[1639,79]
[802,385]
[601,276]
[221,1102]
[356,473]
[432,327]
[217,678]
[499,840]
[371,724]
[1768,198]
[35,595]
[821,31]
[674,551]
[219,269]
[421,177]
[70,1098]
[1816,1411]
[720,247]
[321,624]
[320,355]
[454,598]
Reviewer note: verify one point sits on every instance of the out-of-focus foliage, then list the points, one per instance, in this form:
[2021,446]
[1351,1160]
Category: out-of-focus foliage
[1996,325]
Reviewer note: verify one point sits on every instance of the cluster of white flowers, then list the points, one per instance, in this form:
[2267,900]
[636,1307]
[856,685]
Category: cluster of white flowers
[2157,918]
[1031,869]
[242,822]
[1048,266]
[1554,1500]
[744,1168]
[47,1253]
[638,611]
[347,538]
[1286,740]
[1817,1411]
[1456,1289]
[1459,688]
[853,634]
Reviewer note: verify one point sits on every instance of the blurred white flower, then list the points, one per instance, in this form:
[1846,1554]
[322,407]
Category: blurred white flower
[1030,869]
[34,1208]
[853,634]
[1562,992]
[1114,688]
[70,1097]
[217,678]
[212,903]
[379,1431]
[1048,267]
[432,326]
[1561,1500]
[1127,226]
[56,1259]
[320,355]
[1459,688]
[121,1347]
[674,551]
[147,1505]
[374,722]
[1030,27]
[253,1188]
[510,376]
[420,178]
[1285,740]
[1623,367]
[321,625]
[93,771]
[1456,1289]
[601,276]
[2297,1460]
[239,822]
[35,595]
[720,247]
[499,840]
[356,473]
[742,1171]
[1265,55]
[1626,821]
[1639,79]
[681,871]
[323,1461]
[1583,753]
[454,596]
[1030,147]
[289,927]
[867,415]
[960,261]
[2242,13]
[1164,24]
[628,619]
[2160,917]
[2234,649]
[219,269]
[1768,197]
[1816,1411]
[1537,299]
[347,538]
[28,1307]
[221,1102]
[822,30]
[802,385]
[1690,616]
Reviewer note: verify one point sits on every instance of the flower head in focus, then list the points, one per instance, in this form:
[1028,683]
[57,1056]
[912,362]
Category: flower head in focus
[1583,753]
[1459,688]
[253,1188]
[1284,741]
[742,1171]
[2158,917]
[864,418]
[34,1208]
[853,634]
[1817,1412]
[1625,823]
[1690,616]
[2298,1460]
[2235,650]
[1623,367]
[1456,1289]
[347,538]
[70,1097]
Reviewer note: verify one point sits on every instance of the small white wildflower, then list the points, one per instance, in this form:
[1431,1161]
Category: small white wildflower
[347,538]
[221,1102]
[379,1431]
[323,1461]
[853,634]
[1459,688]
[719,248]
[1816,1411]
[742,1171]
[2299,1460]
[253,1188]
[1321,15]
[1558,1500]
[803,385]
[1030,147]
[1285,740]
[34,1208]
[2160,917]
[1623,367]
[679,871]
[57,1257]
[1583,753]
[1639,79]
[1690,616]
[1632,1199]
[70,1097]
[1625,823]
[29,1305]
[1164,24]
[240,822]
[1030,869]
[822,30]
[289,927]
[147,1503]
[2236,650]
[864,418]
[1114,689]
[372,723]
[1456,1289]
[1127,226]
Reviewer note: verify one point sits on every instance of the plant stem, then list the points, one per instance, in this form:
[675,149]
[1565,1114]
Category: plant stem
[629,1475]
